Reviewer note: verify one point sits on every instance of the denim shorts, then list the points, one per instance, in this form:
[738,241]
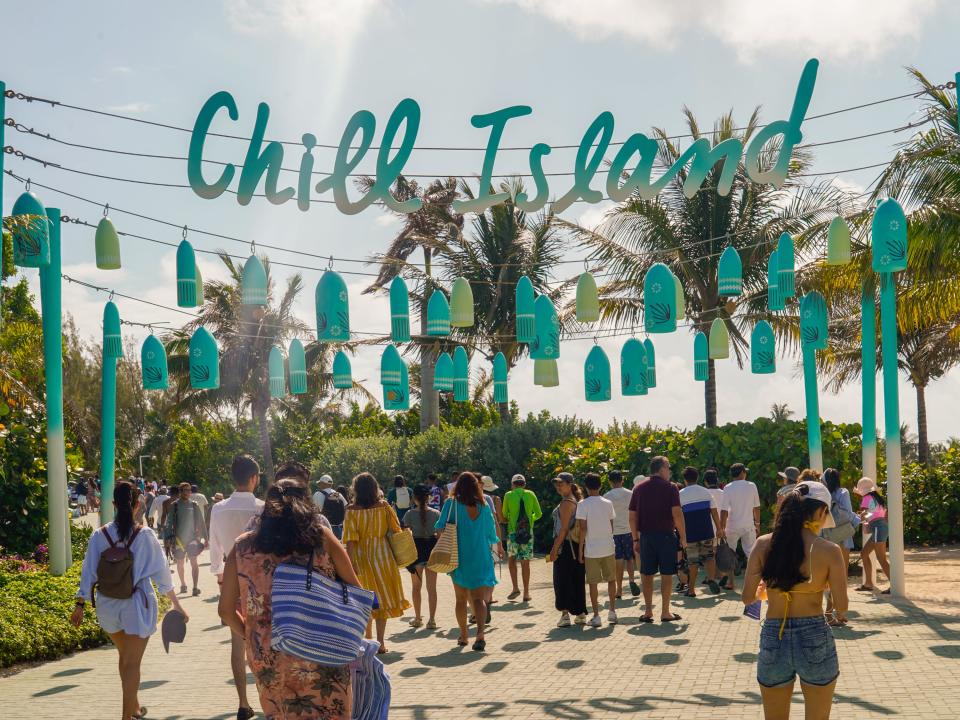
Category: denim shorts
[806,649]
[623,546]
[879,531]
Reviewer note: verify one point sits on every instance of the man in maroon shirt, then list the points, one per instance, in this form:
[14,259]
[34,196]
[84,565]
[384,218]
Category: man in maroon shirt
[655,518]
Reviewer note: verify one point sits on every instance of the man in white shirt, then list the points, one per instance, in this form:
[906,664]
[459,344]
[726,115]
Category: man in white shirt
[155,511]
[595,516]
[228,520]
[201,500]
[622,540]
[741,520]
[324,488]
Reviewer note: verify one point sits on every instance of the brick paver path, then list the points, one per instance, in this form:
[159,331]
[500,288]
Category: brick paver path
[896,659]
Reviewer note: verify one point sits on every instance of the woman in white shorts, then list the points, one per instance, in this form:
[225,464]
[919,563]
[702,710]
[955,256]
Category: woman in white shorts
[128,621]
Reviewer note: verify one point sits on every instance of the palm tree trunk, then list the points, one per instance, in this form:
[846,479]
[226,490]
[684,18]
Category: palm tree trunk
[429,398]
[710,395]
[923,442]
[259,411]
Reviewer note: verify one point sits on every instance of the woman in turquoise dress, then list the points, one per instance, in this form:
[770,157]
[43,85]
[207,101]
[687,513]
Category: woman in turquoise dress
[476,535]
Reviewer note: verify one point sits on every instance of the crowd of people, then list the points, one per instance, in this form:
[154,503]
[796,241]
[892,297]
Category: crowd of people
[600,542]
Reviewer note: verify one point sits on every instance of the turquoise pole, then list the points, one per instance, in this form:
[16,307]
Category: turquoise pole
[868,395]
[58,538]
[891,422]
[108,429]
[814,442]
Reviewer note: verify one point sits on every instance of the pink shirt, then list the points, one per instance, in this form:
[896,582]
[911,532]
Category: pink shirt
[875,511]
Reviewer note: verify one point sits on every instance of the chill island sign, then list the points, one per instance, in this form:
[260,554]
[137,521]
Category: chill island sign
[264,158]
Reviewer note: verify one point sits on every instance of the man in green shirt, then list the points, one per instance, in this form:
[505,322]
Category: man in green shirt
[521,509]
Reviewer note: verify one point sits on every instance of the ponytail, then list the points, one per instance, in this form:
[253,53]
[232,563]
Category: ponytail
[125,497]
[875,494]
[421,493]
[289,522]
[576,492]
[781,567]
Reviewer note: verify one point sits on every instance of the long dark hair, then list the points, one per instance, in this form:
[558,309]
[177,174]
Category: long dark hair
[289,522]
[467,490]
[366,490]
[875,494]
[125,497]
[421,493]
[831,478]
[781,567]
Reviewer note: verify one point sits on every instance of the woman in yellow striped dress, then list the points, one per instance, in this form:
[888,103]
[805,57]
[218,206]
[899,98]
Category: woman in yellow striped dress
[365,528]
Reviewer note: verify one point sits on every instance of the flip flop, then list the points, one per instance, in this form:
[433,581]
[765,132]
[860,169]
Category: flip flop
[514,595]
[864,588]
[646,618]
[689,594]
[673,618]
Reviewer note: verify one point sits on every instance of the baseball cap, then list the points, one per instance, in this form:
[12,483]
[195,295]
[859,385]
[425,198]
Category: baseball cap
[818,491]
[173,629]
[325,480]
[790,473]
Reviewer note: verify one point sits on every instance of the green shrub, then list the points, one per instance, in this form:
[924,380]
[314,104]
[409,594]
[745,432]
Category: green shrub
[202,453]
[931,501]
[343,458]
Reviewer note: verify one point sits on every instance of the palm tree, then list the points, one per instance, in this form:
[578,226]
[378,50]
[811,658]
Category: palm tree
[420,230]
[780,412]
[688,234]
[245,335]
[504,245]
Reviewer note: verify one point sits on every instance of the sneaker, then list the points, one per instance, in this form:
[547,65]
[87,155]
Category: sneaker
[581,619]
[564,620]
[595,621]
[634,589]
[612,617]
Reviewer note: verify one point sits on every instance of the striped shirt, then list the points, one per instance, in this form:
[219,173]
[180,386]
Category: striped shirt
[696,502]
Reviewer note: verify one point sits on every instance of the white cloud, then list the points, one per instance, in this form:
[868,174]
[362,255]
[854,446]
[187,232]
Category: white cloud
[386,219]
[134,108]
[121,70]
[857,29]
[336,21]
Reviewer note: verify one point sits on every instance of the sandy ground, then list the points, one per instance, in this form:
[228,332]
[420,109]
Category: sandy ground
[933,574]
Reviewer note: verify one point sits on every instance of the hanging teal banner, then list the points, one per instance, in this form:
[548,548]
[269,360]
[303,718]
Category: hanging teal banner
[31,242]
[277,373]
[766,159]
[188,291]
[525,297]
[333,308]
[701,357]
[763,350]
[500,378]
[153,364]
[651,363]
[730,273]
[461,375]
[659,300]
[438,314]
[297,367]
[596,375]
[397,397]
[399,311]
[889,234]
[813,321]
[253,282]
[342,371]
[390,363]
[546,343]
[204,361]
[633,368]
[443,373]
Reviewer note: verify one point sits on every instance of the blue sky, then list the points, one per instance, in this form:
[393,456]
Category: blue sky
[316,63]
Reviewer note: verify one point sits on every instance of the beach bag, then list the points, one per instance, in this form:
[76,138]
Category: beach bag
[115,567]
[334,507]
[316,618]
[403,547]
[445,557]
[843,531]
[370,683]
[726,557]
[403,498]
[521,536]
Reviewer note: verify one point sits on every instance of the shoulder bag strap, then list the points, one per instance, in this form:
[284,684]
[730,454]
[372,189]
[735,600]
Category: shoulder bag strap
[133,534]
[106,534]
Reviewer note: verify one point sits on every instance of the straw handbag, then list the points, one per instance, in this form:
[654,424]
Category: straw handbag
[444,558]
[403,547]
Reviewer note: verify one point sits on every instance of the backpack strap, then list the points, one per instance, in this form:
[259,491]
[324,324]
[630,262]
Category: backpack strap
[133,534]
[106,534]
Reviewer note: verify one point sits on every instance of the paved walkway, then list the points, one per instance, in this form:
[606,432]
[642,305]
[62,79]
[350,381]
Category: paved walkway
[897,660]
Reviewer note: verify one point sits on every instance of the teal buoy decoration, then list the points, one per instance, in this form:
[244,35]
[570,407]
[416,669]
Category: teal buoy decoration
[461,375]
[659,300]
[297,367]
[525,298]
[187,273]
[333,308]
[596,375]
[730,273]
[277,373]
[763,350]
[813,321]
[31,243]
[775,301]
[342,372]
[397,397]
[588,299]
[112,340]
[443,373]
[701,358]
[500,378]
[681,298]
[107,245]
[204,361]
[889,234]
[838,242]
[546,342]
[438,314]
[253,282]
[719,340]
[651,363]
[546,373]
[633,368]
[786,277]
[153,364]
[461,304]
[390,362]
[399,311]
